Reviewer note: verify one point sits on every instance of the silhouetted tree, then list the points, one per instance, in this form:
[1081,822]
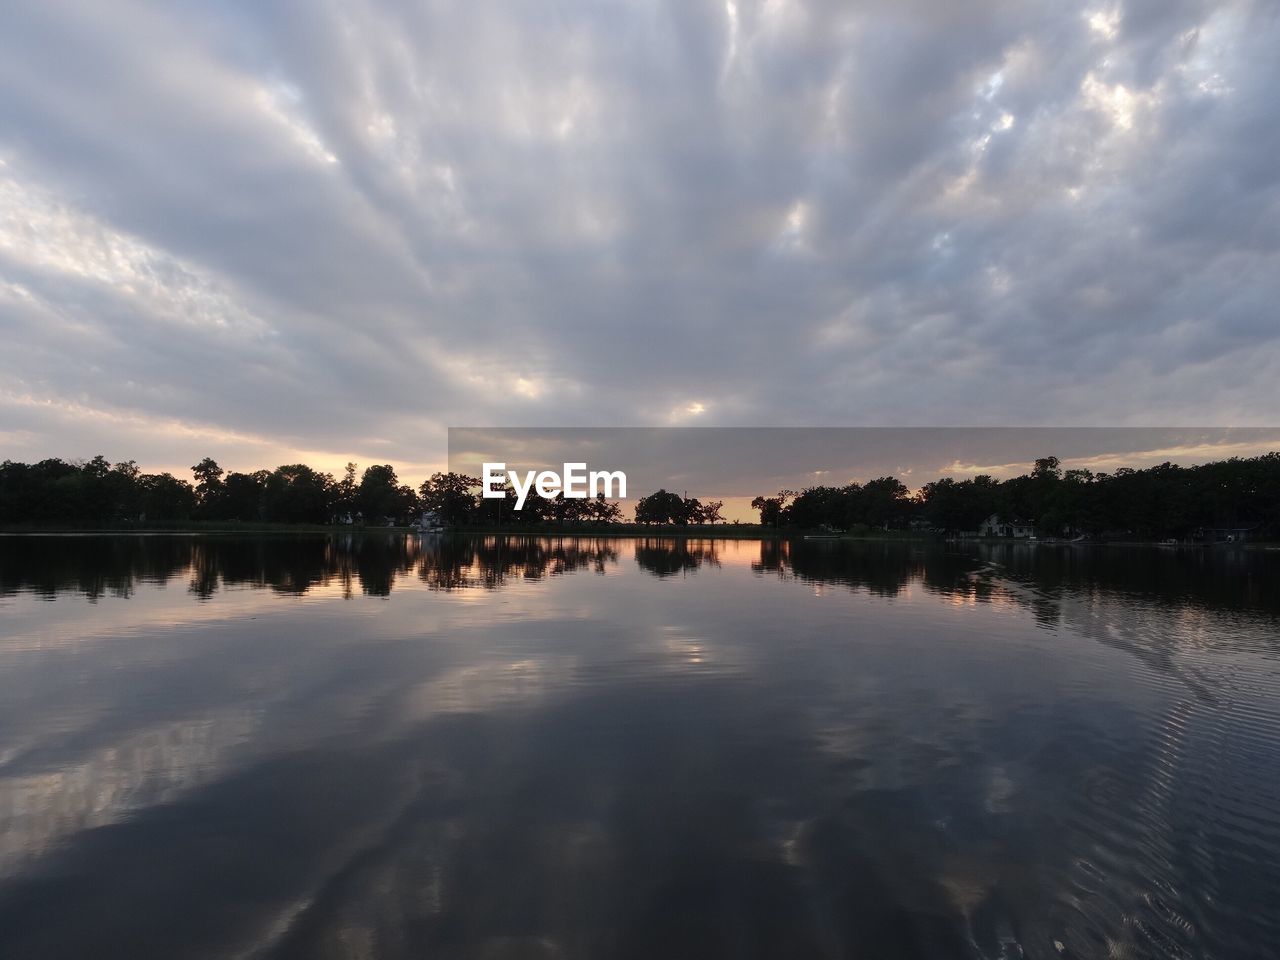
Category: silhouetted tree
[297,494]
[208,488]
[452,497]
[710,512]
[1161,501]
[165,497]
[344,494]
[378,496]
[770,510]
[664,507]
[244,496]
[601,510]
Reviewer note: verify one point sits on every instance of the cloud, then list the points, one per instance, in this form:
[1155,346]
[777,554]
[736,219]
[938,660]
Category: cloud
[340,228]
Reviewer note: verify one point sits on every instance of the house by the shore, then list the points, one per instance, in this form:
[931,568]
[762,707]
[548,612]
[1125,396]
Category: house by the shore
[998,526]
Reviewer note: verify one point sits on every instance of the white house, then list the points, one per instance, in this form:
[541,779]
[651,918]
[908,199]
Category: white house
[997,526]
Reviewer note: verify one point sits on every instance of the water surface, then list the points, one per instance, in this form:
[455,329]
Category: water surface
[341,747]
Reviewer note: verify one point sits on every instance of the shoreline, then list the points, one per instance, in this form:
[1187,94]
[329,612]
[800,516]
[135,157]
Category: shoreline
[622,531]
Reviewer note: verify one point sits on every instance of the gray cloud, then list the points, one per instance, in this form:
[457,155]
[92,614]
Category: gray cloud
[330,230]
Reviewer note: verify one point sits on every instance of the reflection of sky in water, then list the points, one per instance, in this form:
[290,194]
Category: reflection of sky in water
[621,748]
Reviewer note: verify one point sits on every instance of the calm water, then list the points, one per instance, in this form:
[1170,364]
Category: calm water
[333,748]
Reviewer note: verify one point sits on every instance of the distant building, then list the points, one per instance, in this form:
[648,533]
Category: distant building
[998,526]
[430,521]
[1237,534]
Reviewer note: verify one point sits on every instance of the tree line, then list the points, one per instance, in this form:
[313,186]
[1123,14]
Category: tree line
[1160,502]
[100,493]
[1165,501]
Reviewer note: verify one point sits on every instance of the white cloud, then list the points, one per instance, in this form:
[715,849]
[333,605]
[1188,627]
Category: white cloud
[341,228]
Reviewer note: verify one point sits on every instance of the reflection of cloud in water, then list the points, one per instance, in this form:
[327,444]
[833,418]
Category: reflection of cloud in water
[144,768]
[934,757]
[489,686]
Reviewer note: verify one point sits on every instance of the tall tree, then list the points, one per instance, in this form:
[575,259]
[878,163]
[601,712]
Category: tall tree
[209,488]
[378,496]
[344,495]
[661,507]
[770,510]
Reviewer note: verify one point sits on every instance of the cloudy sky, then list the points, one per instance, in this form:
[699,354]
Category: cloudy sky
[327,231]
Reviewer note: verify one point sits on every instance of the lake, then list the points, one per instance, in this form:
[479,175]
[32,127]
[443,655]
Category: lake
[384,746]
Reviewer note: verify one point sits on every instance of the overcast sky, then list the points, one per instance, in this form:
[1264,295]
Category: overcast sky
[327,231]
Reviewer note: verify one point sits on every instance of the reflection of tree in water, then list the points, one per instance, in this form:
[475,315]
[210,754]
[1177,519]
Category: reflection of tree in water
[114,565]
[1043,578]
[1154,605]
[1040,577]
[296,565]
[488,562]
[883,569]
[773,557]
[1204,577]
[664,557]
[91,566]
